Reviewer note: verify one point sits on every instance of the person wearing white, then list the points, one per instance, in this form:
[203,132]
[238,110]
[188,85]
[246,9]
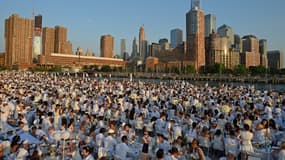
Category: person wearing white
[100,138]
[110,143]
[246,146]
[123,151]
[86,153]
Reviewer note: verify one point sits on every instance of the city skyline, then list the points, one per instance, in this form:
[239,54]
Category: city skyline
[87,22]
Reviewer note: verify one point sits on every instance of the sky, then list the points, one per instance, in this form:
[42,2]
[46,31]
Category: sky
[88,20]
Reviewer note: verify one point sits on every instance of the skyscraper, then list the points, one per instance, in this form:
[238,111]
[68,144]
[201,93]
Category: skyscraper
[210,24]
[37,36]
[142,44]
[48,41]
[107,46]
[60,39]
[135,48]
[218,50]
[250,55]
[195,4]
[195,37]
[18,41]
[226,31]
[154,49]
[123,47]
[176,37]
[263,52]
[237,42]
[164,44]
[275,59]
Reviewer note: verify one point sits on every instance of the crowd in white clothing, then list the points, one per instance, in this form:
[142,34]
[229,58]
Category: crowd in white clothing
[50,116]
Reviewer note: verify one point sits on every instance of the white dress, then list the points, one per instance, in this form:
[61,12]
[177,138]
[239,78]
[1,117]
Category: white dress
[218,143]
[246,145]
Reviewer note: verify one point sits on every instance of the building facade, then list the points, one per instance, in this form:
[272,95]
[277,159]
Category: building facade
[123,47]
[275,59]
[134,49]
[195,37]
[219,50]
[18,41]
[37,36]
[176,37]
[55,59]
[107,46]
[250,55]
[154,49]
[210,24]
[60,39]
[263,52]
[226,31]
[237,42]
[141,39]
[48,41]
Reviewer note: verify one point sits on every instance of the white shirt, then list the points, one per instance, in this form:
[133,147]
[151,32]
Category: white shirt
[122,150]
[110,144]
[89,157]
[100,140]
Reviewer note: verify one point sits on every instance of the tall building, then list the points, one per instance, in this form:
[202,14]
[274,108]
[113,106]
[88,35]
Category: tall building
[135,48]
[250,55]
[226,31]
[67,48]
[210,24]
[142,44]
[107,46]
[123,47]
[60,39]
[154,49]
[144,50]
[18,41]
[195,4]
[176,37]
[195,37]
[275,59]
[164,44]
[218,50]
[48,41]
[237,42]
[37,36]
[263,52]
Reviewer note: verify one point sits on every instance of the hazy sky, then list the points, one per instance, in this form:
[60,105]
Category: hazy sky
[87,20]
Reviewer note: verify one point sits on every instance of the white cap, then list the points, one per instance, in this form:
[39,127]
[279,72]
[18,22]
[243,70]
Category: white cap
[25,142]
[111,131]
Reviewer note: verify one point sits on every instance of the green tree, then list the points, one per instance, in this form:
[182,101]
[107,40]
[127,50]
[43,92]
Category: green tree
[259,70]
[216,68]
[190,69]
[175,69]
[106,68]
[240,70]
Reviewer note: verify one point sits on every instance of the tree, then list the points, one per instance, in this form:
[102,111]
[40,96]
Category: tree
[259,70]
[190,69]
[175,69]
[106,68]
[216,68]
[240,70]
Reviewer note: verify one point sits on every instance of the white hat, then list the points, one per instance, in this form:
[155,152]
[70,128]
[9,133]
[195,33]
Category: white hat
[25,142]
[111,131]
[22,153]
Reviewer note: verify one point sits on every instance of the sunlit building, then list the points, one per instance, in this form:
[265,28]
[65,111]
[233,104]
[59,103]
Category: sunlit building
[18,41]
